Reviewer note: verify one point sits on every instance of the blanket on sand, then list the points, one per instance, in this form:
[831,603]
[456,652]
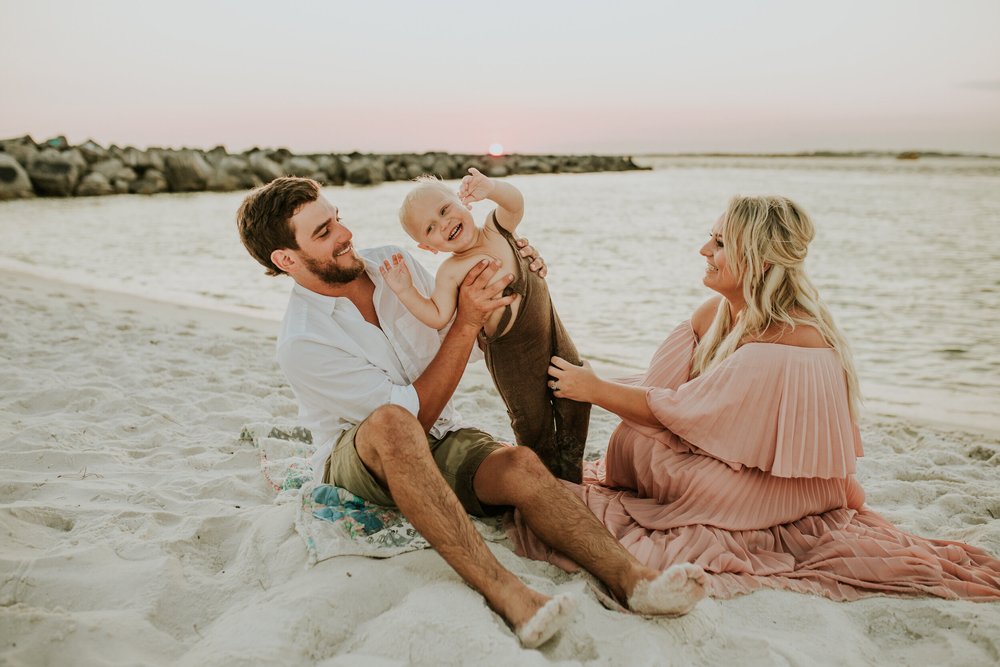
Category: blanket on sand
[331,520]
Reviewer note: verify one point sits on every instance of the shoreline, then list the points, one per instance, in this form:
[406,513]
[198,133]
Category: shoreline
[140,530]
[876,406]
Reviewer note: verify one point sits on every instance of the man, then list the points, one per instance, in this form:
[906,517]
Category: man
[375,387]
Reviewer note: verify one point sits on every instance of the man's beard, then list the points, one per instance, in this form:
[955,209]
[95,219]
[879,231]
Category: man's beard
[332,274]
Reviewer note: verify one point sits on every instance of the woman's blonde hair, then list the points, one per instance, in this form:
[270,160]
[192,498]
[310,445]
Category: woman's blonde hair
[766,240]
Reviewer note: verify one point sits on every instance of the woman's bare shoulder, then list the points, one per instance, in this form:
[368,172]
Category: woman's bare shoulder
[702,318]
[804,335]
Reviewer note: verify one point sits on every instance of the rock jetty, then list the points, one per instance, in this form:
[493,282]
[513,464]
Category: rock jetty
[54,168]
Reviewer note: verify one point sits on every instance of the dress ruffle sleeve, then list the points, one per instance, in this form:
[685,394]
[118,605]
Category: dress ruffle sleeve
[777,408]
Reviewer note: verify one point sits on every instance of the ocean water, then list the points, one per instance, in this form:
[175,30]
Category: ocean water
[907,255]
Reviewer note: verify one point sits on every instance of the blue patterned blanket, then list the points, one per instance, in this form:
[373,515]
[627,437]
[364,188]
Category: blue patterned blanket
[332,520]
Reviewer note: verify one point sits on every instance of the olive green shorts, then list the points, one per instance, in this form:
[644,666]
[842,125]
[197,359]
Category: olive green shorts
[457,455]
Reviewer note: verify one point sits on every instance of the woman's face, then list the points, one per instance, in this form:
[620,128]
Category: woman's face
[717,274]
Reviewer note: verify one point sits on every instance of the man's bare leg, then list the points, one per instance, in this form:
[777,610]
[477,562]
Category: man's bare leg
[515,476]
[393,446]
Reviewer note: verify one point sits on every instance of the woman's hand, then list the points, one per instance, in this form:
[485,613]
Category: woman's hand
[578,383]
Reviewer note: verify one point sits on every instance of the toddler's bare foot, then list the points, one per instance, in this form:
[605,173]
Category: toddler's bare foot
[674,592]
[547,621]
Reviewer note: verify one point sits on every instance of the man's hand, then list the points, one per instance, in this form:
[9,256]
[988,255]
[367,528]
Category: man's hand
[537,264]
[475,187]
[396,275]
[477,298]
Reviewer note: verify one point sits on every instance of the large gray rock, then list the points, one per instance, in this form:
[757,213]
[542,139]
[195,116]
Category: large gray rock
[123,180]
[497,167]
[233,173]
[141,160]
[365,170]
[441,165]
[21,148]
[300,166]
[215,156]
[413,169]
[187,171]
[92,152]
[266,169]
[94,184]
[333,167]
[14,181]
[532,165]
[76,157]
[396,170]
[108,168]
[151,182]
[53,173]
[279,155]
[126,174]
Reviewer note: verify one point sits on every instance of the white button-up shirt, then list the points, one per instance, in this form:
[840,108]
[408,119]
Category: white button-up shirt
[341,367]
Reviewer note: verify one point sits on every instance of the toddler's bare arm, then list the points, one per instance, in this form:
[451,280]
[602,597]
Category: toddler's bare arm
[510,203]
[435,311]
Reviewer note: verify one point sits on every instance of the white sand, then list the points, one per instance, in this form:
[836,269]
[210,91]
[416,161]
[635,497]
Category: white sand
[136,529]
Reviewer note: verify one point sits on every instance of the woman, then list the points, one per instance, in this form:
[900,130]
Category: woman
[737,446]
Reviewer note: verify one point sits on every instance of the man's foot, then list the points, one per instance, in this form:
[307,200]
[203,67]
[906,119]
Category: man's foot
[547,621]
[674,592]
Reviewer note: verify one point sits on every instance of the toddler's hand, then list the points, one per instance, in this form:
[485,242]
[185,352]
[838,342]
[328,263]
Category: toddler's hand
[396,275]
[475,187]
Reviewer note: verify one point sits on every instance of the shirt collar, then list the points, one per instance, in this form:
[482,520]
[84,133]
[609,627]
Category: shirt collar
[328,304]
[325,303]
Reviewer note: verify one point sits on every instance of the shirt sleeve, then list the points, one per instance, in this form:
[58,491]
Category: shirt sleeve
[325,377]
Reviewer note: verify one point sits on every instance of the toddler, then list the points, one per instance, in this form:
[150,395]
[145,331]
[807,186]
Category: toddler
[518,340]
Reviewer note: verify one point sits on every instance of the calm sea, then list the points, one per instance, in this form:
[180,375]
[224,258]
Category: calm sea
[907,255]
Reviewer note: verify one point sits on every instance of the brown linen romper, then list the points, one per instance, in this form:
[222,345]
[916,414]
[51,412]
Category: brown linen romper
[518,360]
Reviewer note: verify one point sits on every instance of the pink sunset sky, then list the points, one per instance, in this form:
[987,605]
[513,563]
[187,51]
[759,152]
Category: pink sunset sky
[632,77]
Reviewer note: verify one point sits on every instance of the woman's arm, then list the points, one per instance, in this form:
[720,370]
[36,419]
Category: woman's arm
[580,383]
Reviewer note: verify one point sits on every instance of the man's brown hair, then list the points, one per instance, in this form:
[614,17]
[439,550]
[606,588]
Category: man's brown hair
[264,218]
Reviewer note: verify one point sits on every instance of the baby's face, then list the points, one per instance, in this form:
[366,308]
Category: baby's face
[439,222]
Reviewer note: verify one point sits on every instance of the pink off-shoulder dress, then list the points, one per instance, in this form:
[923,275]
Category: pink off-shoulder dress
[752,477]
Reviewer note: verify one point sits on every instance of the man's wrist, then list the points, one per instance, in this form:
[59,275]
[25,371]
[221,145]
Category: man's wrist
[465,329]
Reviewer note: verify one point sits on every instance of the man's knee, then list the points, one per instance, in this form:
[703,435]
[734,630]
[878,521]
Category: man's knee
[391,416]
[389,429]
[515,476]
[524,463]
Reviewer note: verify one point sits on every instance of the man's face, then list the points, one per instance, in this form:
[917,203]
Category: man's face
[325,247]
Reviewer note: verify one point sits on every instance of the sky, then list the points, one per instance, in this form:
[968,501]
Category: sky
[536,77]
